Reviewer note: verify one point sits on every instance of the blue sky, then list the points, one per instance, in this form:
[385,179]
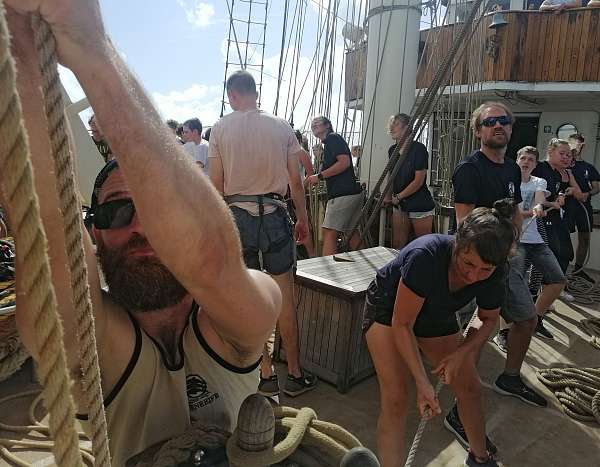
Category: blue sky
[177,49]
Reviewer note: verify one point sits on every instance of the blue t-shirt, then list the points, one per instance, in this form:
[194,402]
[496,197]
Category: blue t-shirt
[478,180]
[423,267]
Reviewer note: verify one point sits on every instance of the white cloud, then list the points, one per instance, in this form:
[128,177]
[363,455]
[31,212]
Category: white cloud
[197,13]
[198,100]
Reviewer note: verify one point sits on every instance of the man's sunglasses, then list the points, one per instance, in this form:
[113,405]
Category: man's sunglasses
[114,214]
[491,121]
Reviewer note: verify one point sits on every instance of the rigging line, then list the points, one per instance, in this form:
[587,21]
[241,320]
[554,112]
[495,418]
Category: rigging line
[318,80]
[403,62]
[279,74]
[321,82]
[296,56]
[248,33]
[342,71]
[289,39]
[321,7]
[301,42]
[262,56]
[232,28]
[309,68]
[263,33]
[363,75]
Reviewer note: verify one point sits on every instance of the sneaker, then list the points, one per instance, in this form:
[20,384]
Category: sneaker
[453,424]
[269,387]
[471,461]
[514,386]
[296,386]
[541,330]
[566,296]
[501,340]
[585,276]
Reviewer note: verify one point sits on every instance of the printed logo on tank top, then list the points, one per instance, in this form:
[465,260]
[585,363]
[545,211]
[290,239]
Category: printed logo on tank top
[197,392]
[511,190]
[557,187]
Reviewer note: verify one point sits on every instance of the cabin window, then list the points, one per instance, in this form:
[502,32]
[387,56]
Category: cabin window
[565,130]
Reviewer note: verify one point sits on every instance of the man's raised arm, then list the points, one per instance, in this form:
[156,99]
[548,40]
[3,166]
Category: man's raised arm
[184,218]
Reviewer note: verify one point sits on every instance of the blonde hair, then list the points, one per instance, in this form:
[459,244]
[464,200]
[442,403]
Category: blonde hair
[398,118]
[476,115]
[556,142]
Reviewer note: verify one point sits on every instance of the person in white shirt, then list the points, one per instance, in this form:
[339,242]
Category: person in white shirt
[194,144]
[537,252]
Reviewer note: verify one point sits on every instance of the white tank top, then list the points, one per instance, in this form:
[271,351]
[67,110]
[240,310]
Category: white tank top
[153,402]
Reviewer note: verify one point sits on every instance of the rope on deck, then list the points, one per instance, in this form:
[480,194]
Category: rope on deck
[577,390]
[592,327]
[40,442]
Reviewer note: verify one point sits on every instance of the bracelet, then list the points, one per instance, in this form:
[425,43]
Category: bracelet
[320,176]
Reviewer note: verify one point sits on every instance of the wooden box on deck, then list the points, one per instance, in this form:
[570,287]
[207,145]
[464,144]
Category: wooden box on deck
[330,294]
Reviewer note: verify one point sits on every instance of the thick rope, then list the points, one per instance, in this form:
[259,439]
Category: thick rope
[35,271]
[12,356]
[301,429]
[70,207]
[592,327]
[412,453]
[577,390]
[41,442]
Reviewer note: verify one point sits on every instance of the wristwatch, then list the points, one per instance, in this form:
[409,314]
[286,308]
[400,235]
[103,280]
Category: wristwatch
[320,176]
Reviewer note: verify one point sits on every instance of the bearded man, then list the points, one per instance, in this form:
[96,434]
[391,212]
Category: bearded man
[181,328]
[483,177]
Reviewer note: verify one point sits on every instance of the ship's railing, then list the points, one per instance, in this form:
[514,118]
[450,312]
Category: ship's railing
[533,46]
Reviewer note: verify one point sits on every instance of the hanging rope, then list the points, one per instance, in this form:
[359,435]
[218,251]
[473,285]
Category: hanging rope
[35,268]
[577,390]
[414,448]
[70,208]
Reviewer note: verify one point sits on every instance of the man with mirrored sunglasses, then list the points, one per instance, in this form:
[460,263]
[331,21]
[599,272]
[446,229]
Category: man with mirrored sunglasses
[182,324]
[481,178]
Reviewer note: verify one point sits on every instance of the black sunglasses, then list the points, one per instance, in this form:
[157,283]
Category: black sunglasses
[491,121]
[114,214]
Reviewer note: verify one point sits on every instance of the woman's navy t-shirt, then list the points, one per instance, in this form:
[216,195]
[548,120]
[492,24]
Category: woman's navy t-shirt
[423,267]
[417,158]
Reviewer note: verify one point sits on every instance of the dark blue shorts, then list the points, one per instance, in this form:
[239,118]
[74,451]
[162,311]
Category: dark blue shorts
[271,236]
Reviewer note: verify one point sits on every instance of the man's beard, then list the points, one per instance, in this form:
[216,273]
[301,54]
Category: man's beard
[138,283]
[492,143]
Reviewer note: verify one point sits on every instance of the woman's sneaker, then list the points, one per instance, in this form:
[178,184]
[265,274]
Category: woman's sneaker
[296,386]
[471,461]
[269,387]
[541,330]
[453,424]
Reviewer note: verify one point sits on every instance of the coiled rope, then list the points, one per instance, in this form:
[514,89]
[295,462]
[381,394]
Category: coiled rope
[592,327]
[301,429]
[43,442]
[577,390]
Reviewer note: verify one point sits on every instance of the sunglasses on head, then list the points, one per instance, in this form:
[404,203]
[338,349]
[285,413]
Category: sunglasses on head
[491,121]
[114,214]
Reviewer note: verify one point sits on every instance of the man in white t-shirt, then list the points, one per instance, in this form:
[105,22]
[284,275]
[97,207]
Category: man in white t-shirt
[253,157]
[536,252]
[194,144]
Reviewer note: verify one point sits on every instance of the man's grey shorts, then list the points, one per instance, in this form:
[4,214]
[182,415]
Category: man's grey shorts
[272,236]
[343,212]
[519,303]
